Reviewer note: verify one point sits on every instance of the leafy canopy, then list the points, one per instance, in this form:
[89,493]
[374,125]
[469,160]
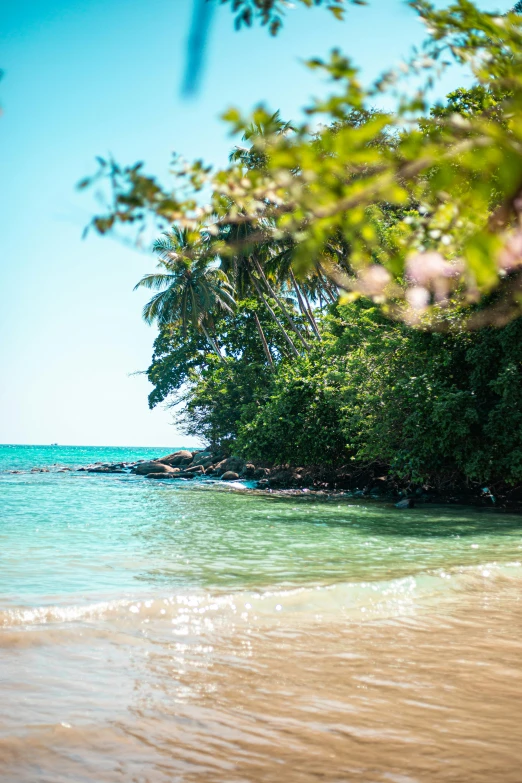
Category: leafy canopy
[418,209]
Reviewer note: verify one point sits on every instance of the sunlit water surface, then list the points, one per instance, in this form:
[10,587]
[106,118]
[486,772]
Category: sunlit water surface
[175,631]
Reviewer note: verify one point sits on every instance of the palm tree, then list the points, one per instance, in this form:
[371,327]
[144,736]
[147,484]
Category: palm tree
[245,265]
[239,267]
[257,133]
[191,288]
[279,265]
[254,157]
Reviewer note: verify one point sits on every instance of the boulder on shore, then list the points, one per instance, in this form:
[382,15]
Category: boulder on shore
[235,464]
[203,458]
[168,475]
[182,457]
[152,467]
[195,469]
[229,475]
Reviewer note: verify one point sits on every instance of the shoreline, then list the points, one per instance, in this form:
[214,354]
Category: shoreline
[317,482]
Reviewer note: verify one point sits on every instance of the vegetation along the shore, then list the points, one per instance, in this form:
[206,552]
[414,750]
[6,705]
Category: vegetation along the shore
[350,296]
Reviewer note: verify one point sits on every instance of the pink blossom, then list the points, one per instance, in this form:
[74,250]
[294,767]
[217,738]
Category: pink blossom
[373,280]
[424,268]
[511,254]
[418,297]
[432,271]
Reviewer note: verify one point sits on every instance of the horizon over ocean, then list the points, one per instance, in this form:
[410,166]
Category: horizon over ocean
[171,630]
[96,446]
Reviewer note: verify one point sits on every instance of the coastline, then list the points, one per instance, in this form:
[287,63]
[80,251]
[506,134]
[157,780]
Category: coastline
[315,482]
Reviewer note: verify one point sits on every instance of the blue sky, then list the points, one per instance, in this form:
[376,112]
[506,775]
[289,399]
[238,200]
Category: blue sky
[90,77]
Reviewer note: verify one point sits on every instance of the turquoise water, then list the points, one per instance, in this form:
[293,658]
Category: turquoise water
[182,630]
[78,536]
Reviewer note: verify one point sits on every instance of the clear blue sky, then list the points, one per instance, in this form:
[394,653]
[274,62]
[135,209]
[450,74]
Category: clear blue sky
[88,77]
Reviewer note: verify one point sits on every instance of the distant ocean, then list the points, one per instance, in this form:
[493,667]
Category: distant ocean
[26,457]
[166,631]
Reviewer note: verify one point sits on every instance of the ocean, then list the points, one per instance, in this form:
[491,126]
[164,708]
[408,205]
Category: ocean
[183,631]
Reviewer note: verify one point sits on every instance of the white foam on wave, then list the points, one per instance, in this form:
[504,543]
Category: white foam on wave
[349,600]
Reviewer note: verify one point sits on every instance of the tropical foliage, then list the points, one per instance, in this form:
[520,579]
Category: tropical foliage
[418,208]
[322,306]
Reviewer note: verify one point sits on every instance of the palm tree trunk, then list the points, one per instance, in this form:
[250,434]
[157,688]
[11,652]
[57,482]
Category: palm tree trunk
[212,342]
[312,316]
[305,306]
[332,294]
[263,341]
[283,309]
[307,327]
[261,295]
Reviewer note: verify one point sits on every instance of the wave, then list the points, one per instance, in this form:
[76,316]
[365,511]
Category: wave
[353,601]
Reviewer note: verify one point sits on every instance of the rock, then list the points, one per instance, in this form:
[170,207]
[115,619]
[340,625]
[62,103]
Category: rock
[177,458]
[406,503]
[202,458]
[260,473]
[234,464]
[195,469]
[185,475]
[229,475]
[282,477]
[263,483]
[152,467]
[161,475]
[249,470]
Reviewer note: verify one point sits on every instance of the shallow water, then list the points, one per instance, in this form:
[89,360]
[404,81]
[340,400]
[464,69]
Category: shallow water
[154,631]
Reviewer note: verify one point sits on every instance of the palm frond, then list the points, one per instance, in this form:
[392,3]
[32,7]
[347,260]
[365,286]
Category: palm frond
[154,281]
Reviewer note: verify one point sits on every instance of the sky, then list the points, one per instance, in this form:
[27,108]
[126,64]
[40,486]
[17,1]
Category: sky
[92,77]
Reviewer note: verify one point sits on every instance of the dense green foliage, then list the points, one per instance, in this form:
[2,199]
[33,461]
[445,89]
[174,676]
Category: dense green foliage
[441,408]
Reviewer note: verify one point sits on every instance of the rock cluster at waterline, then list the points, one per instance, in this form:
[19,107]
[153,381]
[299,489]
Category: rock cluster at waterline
[313,481]
[187,465]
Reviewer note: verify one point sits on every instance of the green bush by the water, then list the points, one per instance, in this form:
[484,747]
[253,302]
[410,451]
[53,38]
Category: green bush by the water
[428,406]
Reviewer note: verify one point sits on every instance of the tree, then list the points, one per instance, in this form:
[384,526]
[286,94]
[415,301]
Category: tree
[428,222]
[190,290]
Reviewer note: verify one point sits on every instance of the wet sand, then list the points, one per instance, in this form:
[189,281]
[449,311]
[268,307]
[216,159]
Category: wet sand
[191,691]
